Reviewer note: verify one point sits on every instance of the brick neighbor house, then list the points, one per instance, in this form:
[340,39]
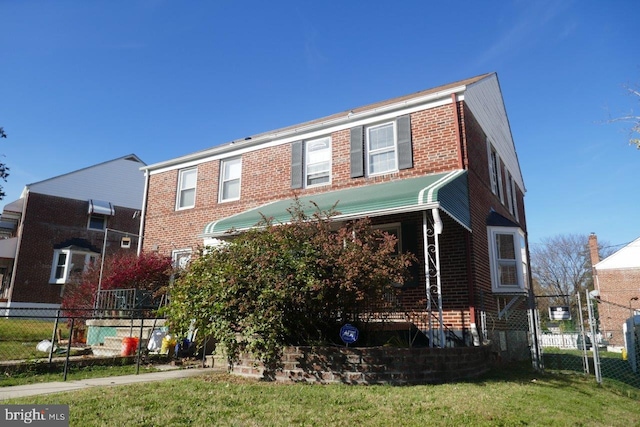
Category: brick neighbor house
[61,224]
[617,278]
[437,168]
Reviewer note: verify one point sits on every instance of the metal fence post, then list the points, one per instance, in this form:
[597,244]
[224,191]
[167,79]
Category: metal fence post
[592,325]
[53,336]
[66,360]
[139,345]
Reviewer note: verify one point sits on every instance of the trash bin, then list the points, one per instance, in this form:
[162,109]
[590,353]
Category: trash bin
[129,346]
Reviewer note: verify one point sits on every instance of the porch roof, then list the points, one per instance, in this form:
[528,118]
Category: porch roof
[447,191]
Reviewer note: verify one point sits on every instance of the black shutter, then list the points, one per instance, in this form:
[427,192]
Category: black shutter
[357,152]
[405,151]
[297,164]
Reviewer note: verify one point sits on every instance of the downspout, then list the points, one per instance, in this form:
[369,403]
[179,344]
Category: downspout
[14,268]
[144,210]
[456,115]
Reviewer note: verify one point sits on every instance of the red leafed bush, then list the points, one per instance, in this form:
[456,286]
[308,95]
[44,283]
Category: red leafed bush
[148,271]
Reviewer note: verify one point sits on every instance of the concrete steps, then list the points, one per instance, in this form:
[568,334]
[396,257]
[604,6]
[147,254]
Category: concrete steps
[105,335]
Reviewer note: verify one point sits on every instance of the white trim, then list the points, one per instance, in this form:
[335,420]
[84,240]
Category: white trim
[305,145]
[221,180]
[53,280]
[179,191]
[368,149]
[180,257]
[521,261]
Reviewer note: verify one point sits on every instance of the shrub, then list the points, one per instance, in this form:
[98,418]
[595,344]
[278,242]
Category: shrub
[286,284]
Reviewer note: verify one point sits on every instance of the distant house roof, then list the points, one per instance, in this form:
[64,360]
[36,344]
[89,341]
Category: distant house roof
[627,257]
[119,181]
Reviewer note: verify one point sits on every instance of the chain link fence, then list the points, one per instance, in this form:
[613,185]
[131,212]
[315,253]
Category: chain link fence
[572,337]
[50,340]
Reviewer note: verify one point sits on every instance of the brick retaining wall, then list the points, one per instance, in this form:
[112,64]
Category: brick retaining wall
[374,365]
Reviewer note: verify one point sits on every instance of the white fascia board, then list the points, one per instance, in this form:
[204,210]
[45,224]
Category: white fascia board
[386,112]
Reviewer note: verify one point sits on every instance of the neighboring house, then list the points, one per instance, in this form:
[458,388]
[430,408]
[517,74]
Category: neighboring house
[617,277]
[437,168]
[61,224]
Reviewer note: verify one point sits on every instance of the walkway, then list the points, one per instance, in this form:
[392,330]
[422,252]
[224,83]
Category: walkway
[14,392]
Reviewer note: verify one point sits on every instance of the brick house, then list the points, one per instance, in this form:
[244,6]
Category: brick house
[617,278]
[61,224]
[437,168]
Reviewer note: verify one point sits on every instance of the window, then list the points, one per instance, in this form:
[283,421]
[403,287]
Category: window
[395,230]
[494,171]
[187,189]
[508,256]
[230,172]
[381,149]
[181,258]
[97,222]
[99,212]
[509,189]
[67,262]
[317,161]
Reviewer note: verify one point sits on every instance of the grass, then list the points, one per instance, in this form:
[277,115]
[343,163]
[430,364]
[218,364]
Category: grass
[510,397]
[19,337]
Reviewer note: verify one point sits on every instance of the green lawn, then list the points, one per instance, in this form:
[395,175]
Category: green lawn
[515,396]
[19,337]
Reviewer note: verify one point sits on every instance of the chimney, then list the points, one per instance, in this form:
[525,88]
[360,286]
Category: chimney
[593,249]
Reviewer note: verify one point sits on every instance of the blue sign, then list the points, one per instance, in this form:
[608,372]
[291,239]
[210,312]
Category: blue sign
[349,334]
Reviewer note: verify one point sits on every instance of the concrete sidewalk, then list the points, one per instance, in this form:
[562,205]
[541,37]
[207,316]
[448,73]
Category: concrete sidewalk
[14,392]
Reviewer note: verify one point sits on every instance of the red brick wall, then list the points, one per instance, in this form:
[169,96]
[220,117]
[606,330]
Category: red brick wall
[375,365]
[50,221]
[266,176]
[617,288]
[482,202]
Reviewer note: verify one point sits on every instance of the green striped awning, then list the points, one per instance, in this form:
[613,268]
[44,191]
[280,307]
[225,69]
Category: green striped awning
[446,191]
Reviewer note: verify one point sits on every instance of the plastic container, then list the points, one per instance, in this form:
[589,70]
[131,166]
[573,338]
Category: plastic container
[129,346]
[168,345]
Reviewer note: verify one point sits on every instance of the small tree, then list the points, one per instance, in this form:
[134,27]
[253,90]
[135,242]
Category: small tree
[633,119]
[149,271]
[286,284]
[4,170]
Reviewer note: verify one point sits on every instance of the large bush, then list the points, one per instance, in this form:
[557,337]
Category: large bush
[286,284]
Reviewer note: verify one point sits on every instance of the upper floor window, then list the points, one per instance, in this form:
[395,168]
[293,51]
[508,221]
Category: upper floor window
[186,197]
[381,149]
[97,222]
[99,212]
[317,161]
[230,172]
[494,172]
[67,262]
[509,191]
[508,257]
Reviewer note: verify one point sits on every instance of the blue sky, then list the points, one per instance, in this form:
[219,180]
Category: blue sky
[85,82]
